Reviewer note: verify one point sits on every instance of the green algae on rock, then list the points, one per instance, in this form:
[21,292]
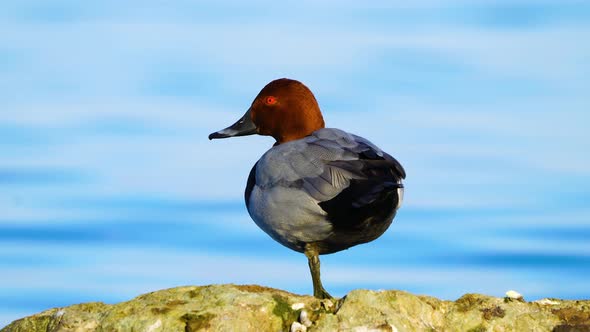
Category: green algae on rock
[257,308]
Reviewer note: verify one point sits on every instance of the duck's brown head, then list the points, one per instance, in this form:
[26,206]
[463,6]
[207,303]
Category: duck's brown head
[284,109]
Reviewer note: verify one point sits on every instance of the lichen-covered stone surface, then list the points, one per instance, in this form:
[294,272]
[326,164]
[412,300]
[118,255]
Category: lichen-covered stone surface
[256,308]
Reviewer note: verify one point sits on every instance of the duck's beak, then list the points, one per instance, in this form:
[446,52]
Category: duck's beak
[244,126]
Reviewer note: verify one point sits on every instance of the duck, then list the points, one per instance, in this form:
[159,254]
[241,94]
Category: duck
[317,190]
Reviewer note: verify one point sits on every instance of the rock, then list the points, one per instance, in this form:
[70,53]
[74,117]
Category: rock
[256,308]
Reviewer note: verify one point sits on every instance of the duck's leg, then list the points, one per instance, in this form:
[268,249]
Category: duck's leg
[313,259]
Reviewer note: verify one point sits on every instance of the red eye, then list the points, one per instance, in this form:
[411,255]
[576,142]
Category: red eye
[270,100]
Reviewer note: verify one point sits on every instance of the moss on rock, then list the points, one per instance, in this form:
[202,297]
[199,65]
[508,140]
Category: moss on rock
[197,322]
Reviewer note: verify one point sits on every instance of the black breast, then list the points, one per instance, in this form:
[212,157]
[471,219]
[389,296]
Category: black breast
[250,184]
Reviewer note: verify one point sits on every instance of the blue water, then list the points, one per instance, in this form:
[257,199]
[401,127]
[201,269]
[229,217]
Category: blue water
[109,187]
[153,244]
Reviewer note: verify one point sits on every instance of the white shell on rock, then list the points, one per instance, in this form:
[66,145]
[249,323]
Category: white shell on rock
[59,313]
[547,302]
[513,294]
[327,304]
[298,327]
[154,326]
[297,306]
[370,329]
[304,318]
